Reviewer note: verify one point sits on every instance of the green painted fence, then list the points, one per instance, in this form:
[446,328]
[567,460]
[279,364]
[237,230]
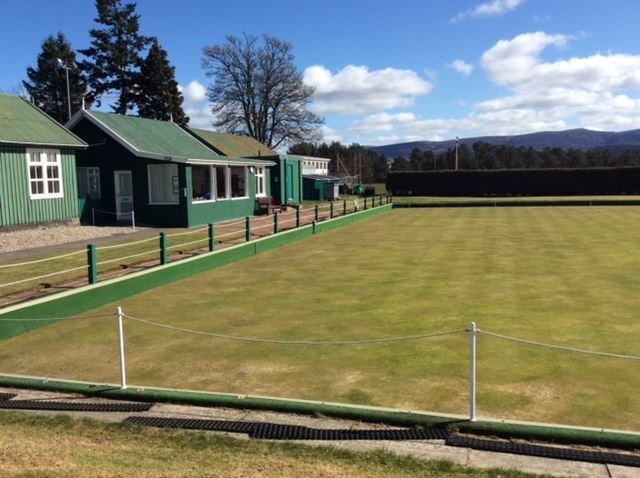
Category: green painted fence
[91,296]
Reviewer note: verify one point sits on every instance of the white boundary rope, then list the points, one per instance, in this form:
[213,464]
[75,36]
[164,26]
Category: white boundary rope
[110,314]
[296,342]
[559,347]
[5,266]
[188,232]
[175,246]
[127,257]
[224,224]
[100,248]
[73,269]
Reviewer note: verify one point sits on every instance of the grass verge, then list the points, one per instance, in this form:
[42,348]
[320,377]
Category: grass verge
[63,446]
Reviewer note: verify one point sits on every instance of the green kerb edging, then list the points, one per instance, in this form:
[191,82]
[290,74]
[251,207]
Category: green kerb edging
[556,434]
[92,296]
[518,203]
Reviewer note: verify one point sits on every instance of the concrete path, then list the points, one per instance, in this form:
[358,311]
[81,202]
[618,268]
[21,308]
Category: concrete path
[427,450]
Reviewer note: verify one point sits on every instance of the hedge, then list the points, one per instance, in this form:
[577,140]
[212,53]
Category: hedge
[516,182]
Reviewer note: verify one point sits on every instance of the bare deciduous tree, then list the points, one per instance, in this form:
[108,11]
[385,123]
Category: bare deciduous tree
[258,91]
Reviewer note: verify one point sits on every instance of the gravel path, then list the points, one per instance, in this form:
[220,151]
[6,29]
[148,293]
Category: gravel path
[49,235]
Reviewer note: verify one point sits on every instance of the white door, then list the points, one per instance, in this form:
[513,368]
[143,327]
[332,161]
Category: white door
[124,194]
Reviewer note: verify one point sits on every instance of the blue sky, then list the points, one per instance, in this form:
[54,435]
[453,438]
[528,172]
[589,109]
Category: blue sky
[394,70]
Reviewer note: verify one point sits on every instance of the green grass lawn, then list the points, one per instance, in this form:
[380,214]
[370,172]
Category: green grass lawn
[564,275]
[61,446]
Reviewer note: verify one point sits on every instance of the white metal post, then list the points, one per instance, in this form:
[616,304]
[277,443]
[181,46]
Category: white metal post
[133,220]
[472,371]
[123,373]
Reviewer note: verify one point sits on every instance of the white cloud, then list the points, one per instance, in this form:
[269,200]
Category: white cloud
[330,134]
[488,9]
[595,91]
[196,105]
[355,90]
[461,66]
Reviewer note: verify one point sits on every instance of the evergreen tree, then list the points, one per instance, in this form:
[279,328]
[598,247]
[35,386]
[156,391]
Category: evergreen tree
[157,95]
[47,85]
[114,55]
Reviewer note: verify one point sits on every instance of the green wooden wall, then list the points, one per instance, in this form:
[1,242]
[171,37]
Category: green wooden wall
[110,156]
[17,208]
[286,187]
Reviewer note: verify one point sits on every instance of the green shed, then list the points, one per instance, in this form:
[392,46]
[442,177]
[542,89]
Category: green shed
[284,175]
[160,173]
[37,166]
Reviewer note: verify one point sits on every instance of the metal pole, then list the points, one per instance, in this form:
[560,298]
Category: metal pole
[275,222]
[457,152]
[93,216]
[123,372]
[298,216]
[133,220]
[473,332]
[344,207]
[316,217]
[331,210]
[66,69]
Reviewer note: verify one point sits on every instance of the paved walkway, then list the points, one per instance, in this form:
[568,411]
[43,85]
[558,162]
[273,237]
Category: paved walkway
[427,450]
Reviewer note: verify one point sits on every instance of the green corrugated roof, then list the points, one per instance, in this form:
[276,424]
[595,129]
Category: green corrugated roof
[23,123]
[155,137]
[234,145]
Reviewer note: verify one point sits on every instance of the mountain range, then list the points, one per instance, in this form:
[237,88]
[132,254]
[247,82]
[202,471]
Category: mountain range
[570,139]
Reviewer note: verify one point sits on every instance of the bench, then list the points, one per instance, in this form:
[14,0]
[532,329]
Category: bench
[267,205]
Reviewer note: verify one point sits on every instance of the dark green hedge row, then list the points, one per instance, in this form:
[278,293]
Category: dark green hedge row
[516,182]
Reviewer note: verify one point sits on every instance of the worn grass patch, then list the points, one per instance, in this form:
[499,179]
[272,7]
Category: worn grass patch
[62,446]
[564,275]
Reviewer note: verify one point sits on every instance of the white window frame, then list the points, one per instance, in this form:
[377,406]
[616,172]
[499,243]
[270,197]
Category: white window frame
[260,181]
[246,183]
[151,203]
[213,186]
[45,179]
[227,183]
[91,171]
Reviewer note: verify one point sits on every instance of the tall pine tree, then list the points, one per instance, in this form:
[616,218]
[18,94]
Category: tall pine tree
[158,96]
[47,85]
[114,55]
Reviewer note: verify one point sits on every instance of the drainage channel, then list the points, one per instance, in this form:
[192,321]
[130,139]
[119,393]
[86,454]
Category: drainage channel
[273,431]
[74,406]
[600,457]
[7,396]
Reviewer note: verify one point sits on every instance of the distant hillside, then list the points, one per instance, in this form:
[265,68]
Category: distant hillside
[570,139]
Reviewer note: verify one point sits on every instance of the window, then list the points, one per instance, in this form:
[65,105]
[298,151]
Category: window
[222,172]
[260,189]
[202,184]
[163,183]
[238,181]
[45,173]
[88,182]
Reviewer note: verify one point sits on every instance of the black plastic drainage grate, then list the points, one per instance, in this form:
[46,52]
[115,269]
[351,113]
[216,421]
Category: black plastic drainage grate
[273,431]
[192,424]
[7,396]
[270,431]
[543,451]
[74,406]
